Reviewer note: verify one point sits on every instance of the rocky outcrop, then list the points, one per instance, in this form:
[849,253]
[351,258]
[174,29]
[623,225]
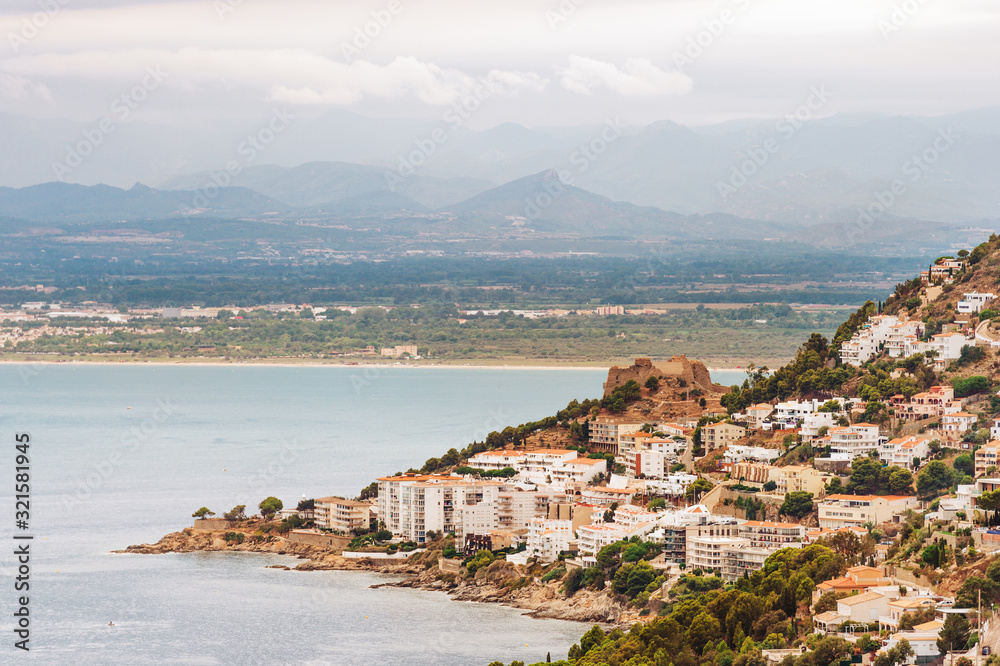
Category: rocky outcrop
[505,583]
[543,600]
[694,373]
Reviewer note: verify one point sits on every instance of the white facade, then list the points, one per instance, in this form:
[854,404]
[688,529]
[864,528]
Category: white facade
[903,451]
[495,460]
[548,538]
[738,453]
[794,410]
[856,440]
[812,423]
[868,340]
[974,302]
[958,422]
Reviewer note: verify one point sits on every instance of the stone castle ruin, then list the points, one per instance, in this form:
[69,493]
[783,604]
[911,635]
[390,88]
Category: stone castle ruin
[694,373]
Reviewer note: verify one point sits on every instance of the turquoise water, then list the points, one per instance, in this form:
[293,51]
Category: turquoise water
[124,454]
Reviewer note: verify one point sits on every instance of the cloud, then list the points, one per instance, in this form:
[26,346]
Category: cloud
[286,75]
[638,77]
[17,87]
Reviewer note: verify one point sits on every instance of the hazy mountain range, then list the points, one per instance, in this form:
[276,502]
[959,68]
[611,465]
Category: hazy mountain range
[744,179]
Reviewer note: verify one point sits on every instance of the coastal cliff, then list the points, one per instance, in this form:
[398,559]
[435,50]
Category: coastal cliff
[502,582]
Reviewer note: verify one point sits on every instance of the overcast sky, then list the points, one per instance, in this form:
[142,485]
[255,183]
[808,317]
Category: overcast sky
[547,62]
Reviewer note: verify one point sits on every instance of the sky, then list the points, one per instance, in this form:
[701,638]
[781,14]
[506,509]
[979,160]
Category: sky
[544,63]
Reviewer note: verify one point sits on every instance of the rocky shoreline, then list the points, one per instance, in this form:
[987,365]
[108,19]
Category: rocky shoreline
[502,583]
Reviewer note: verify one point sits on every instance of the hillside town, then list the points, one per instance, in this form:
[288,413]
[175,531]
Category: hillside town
[890,466]
[719,495]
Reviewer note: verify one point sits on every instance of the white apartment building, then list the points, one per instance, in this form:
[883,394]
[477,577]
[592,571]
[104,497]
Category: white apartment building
[903,451]
[515,509]
[591,538]
[855,510]
[547,538]
[740,453]
[958,422]
[947,347]
[868,340]
[632,515]
[742,558]
[709,552]
[669,447]
[899,335]
[412,505]
[974,302]
[855,440]
[496,460]
[645,462]
[672,485]
[764,534]
[995,429]
[812,423]
[794,410]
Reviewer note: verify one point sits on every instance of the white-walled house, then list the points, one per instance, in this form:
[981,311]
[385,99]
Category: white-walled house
[974,302]
[903,451]
[958,422]
[855,440]
[812,423]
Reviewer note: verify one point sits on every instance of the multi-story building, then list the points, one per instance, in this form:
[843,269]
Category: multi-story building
[932,403]
[757,414]
[973,302]
[547,538]
[846,510]
[495,460]
[904,451]
[515,509]
[739,559]
[852,441]
[411,506]
[813,423]
[389,495]
[591,538]
[799,478]
[646,463]
[995,429]
[631,441]
[942,271]
[739,453]
[899,336]
[987,456]
[958,422]
[560,468]
[868,340]
[341,515]
[754,474]
[763,534]
[721,434]
[604,434]
[794,410]
[708,552]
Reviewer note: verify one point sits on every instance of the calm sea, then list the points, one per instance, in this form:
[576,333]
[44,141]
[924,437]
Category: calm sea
[124,454]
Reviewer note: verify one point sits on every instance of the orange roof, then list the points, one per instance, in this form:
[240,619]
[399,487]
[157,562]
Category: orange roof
[586,461]
[502,453]
[341,501]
